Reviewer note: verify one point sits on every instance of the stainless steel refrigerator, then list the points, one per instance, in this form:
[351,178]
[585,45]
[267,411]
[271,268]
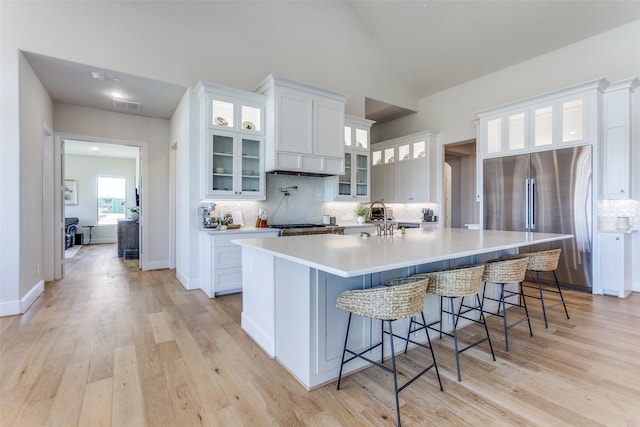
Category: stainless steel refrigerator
[550,192]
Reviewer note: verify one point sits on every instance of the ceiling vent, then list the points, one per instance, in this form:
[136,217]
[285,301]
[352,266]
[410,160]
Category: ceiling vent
[126,105]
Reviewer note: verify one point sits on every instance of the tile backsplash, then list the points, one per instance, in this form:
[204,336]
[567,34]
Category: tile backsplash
[609,210]
[307,203]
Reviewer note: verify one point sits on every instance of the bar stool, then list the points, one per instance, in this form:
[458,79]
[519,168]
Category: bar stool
[386,304]
[546,261]
[451,284]
[502,272]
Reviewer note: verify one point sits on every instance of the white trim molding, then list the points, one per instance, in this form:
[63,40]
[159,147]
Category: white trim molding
[12,308]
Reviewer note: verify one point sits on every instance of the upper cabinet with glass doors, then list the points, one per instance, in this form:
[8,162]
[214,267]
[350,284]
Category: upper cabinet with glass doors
[402,170]
[557,120]
[355,183]
[233,148]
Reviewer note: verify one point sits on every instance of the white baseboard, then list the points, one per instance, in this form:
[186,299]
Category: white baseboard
[187,284]
[12,308]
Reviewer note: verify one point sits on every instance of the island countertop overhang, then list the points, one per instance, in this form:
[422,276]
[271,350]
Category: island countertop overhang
[352,255]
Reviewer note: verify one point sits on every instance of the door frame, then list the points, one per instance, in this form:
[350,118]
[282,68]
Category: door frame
[143,164]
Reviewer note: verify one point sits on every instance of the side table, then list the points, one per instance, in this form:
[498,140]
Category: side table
[90,227]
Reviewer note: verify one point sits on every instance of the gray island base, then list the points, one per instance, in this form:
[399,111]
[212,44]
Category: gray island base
[290,286]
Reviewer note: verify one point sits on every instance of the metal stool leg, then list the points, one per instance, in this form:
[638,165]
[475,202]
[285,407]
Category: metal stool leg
[382,342]
[560,292]
[344,352]
[486,329]
[433,356]
[395,372]
[504,317]
[455,335]
[544,311]
[526,310]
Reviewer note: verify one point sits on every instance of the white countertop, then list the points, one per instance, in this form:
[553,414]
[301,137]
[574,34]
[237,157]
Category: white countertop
[351,255]
[625,231]
[241,230]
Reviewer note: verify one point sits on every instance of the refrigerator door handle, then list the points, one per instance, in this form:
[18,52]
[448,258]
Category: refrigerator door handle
[532,199]
[527,207]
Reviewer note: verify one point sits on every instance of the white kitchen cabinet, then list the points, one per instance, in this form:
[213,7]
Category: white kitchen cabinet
[412,172]
[615,277]
[232,147]
[560,119]
[221,260]
[305,127]
[355,183]
[401,169]
[620,129]
[235,166]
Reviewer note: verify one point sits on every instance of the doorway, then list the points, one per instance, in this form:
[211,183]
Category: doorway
[460,208]
[81,163]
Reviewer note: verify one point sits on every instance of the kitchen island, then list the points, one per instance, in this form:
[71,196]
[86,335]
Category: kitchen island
[290,286]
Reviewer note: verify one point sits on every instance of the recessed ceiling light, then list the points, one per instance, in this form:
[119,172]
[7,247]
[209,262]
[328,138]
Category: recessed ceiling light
[98,76]
[116,79]
[117,95]
[95,149]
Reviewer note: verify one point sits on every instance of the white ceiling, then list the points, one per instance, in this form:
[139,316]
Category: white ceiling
[430,46]
[100,149]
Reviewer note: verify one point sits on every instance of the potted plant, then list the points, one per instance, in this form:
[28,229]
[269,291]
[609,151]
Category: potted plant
[134,212]
[361,213]
[223,224]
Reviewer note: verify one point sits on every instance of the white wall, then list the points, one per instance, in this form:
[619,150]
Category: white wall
[85,170]
[155,133]
[35,111]
[614,55]
[185,132]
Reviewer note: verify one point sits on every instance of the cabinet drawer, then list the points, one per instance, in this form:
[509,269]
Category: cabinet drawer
[227,280]
[227,256]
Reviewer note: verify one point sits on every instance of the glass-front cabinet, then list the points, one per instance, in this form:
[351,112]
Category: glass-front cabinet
[543,124]
[401,170]
[233,152]
[355,183]
[236,165]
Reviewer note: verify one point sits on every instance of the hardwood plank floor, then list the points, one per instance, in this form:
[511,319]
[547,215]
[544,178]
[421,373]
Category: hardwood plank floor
[110,345]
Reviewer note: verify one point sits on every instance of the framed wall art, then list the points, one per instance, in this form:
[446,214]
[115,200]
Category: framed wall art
[70,192]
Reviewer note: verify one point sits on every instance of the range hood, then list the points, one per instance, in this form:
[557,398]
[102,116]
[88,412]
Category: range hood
[296,173]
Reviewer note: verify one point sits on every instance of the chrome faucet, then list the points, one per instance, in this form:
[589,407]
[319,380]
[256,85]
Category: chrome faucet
[384,207]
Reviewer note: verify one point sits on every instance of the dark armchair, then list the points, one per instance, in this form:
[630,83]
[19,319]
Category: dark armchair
[70,230]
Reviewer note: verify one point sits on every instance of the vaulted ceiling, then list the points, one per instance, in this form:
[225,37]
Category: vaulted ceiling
[428,46]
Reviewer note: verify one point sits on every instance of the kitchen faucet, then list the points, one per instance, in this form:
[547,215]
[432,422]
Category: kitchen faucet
[384,207]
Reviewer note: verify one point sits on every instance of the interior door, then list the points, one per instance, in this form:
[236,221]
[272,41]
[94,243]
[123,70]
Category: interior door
[59,240]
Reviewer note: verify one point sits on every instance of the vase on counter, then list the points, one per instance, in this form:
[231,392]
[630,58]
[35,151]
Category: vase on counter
[360,220]
[134,216]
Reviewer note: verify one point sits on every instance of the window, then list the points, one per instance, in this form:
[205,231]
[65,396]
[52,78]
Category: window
[111,200]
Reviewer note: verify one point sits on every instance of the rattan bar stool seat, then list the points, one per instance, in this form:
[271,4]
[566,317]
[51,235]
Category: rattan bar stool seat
[545,261]
[388,303]
[503,272]
[459,282]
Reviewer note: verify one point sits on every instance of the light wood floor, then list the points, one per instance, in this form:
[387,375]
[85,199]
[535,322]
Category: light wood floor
[110,345]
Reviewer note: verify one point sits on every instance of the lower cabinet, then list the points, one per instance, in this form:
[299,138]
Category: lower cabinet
[615,276]
[221,260]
